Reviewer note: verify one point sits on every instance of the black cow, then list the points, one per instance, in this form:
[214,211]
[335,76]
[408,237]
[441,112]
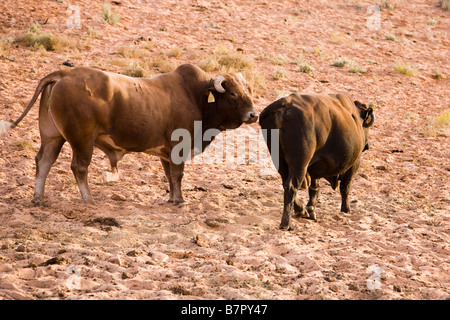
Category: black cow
[320,136]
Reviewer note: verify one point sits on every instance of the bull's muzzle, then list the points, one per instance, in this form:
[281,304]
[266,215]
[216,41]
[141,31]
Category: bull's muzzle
[251,117]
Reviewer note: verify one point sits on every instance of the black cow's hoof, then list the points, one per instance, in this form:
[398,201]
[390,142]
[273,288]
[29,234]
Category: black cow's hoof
[38,202]
[286,228]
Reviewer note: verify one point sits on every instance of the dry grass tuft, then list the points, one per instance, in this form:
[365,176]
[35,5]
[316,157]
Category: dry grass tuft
[340,63]
[437,124]
[134,70]
[225,61]
[108,15]
[36,39]
[405,68]
[445,4]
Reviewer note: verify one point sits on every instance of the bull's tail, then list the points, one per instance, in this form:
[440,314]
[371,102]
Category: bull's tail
[5,126]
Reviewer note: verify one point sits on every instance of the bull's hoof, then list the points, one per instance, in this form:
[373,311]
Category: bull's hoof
[286,227]
[38,202]
[177,201]
[311,213]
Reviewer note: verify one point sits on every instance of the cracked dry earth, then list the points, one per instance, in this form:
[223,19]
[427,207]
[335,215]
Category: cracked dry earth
[225,242]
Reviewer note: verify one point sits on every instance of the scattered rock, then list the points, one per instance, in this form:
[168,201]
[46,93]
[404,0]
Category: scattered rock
[215,223]
[60,186]
[202,241]
[22,248]
[68,64]
[115,260]
[105,221]
[228,186]
[133,253]
[118,197]
[180,290]
[55,260]
[158,257]
[200,188]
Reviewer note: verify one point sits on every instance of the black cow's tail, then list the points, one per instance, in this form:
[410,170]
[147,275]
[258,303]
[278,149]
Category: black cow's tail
[5,126]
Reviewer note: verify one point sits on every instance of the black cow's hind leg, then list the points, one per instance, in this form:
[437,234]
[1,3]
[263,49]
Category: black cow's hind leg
[313,195]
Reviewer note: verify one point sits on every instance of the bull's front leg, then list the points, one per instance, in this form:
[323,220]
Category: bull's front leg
[175,176]
[166,166]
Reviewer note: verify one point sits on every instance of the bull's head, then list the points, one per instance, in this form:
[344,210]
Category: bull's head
[232,96]
[368,118]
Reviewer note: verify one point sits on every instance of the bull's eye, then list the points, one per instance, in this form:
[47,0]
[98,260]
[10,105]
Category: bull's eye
[233,95]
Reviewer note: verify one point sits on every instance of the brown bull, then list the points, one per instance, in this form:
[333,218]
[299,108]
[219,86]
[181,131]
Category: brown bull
[319,136]
[118,114]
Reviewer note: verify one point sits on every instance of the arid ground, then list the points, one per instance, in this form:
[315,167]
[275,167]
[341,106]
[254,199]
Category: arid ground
[225,242]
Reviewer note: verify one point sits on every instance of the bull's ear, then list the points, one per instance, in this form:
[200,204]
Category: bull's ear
[368,117]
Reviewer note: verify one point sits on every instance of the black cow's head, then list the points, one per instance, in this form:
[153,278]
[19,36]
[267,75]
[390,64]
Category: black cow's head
[232,98]
[368,118]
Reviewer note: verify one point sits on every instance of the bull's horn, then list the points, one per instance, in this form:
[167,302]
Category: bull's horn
[240,76]
[218,83]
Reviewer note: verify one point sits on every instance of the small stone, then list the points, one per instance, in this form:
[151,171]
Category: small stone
[202,241]
[21,248]
[158,257]
[115,260]
[133,253]
[60,186]
[118,197]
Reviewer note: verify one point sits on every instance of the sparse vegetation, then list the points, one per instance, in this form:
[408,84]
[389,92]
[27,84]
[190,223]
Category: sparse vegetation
[432,22]
[280,74]
[93,33]
[4,48]
[134,70]
[445,4]
[390,37]
[173,52]
[388,5]
[279,60]
[303,66]
[438,75]
[162,64]
[355,68]
[405,68]
[108,15]
[36,39]
[24,145]
[437,124]
[224,60]
[341,62]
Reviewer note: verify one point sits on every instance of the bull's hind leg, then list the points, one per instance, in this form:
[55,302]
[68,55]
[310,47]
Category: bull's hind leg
[47,155]
[82,156]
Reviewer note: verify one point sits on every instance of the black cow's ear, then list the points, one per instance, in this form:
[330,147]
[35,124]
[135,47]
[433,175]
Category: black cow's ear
[368,118]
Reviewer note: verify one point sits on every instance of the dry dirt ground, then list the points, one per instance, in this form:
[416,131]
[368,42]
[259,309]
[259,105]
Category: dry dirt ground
[225,242]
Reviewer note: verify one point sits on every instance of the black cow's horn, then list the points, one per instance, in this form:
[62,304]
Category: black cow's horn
[218,83]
